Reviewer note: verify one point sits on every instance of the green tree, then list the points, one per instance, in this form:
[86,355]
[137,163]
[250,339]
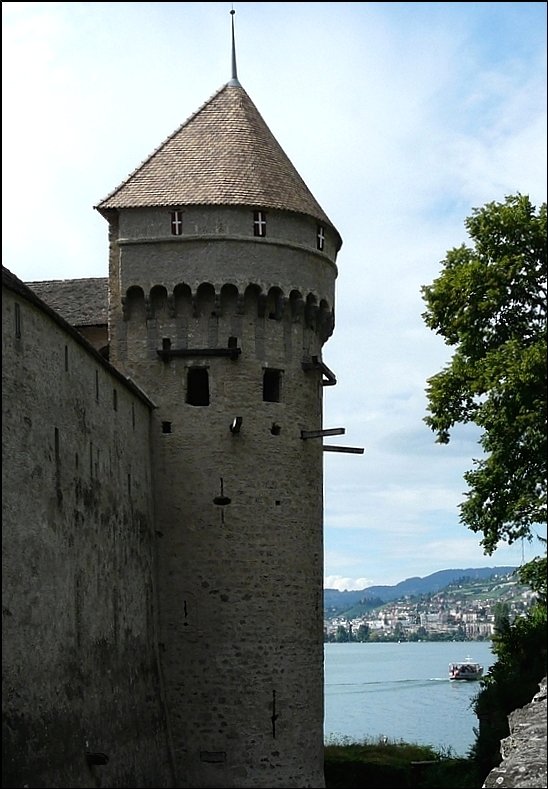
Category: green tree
[342,634]
[510,683]
[363,633]
[399,631]
[501,613]
[533,574]
[489,303]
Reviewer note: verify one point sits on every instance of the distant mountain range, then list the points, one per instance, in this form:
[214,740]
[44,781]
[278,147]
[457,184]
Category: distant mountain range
[335,601]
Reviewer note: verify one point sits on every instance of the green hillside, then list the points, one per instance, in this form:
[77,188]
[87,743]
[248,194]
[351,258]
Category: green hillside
[479,595]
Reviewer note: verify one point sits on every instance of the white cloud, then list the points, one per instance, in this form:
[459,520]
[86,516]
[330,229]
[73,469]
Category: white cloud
[346,584]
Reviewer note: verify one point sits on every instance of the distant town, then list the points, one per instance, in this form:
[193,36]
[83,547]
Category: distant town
[465,611]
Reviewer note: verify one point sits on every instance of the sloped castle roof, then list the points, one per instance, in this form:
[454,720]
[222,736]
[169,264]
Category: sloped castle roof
[224,154]
[81,302]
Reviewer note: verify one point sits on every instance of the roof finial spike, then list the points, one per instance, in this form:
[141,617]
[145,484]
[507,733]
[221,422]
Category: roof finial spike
[234,80]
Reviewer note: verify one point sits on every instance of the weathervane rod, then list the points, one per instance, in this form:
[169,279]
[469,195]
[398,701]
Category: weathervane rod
[234,80]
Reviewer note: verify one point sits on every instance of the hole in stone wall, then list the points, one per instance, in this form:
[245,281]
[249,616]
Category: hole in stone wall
[272,381]
[197,392]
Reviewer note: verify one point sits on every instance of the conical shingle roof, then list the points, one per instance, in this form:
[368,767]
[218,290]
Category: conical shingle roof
[224,154]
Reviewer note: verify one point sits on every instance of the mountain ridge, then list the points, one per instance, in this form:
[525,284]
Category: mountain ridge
[335,600]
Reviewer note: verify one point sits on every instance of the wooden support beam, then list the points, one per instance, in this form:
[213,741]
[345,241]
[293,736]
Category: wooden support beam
[352,450]
[333,431]
[166,355]
[315,364]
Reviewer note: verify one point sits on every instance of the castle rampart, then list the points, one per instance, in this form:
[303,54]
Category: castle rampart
[80,670]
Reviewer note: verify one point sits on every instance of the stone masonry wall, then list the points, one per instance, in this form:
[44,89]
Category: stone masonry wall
[80,669]
[524,751]
[240,514]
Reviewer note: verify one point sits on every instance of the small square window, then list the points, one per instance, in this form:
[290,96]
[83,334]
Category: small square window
[259,224]
[176,223]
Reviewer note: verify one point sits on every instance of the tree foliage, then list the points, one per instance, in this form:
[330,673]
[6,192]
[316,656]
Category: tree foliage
[510,683]
[533,574]
[489,303]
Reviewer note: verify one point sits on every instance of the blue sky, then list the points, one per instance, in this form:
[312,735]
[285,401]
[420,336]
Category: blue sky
[400,117]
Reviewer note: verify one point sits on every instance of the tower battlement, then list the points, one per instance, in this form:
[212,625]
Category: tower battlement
[206,304]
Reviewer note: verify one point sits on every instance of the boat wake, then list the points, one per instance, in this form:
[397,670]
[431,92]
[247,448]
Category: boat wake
[395,685]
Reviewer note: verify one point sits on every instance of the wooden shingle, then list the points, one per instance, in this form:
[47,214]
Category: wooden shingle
[224,154]
[81,302]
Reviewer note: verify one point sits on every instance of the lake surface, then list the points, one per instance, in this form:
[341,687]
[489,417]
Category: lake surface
[402,691]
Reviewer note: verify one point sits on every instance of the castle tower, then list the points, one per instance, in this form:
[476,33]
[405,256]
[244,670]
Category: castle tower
[221,296]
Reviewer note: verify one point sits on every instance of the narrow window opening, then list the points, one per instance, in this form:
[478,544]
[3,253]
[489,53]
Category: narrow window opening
[58,491]
[259,224]
[320,237]
[272,384]
[18,321]
[197,386]
[176,223]
[66,358]
[97,385]
[78,610]
[115,399]
[166,427]
[166,344]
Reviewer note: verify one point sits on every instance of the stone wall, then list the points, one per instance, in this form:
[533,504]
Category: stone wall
[524,751]
[81,693]
[240,556]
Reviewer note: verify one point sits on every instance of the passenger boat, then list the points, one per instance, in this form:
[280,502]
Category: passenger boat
[467,669]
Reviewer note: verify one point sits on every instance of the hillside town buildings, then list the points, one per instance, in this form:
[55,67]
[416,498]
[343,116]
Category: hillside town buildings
[444,615]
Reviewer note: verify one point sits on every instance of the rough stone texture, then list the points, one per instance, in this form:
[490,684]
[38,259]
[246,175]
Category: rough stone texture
[524,751]
[243,665]
[79,649]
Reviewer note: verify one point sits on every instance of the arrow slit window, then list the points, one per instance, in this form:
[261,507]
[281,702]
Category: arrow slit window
[176,223]
[259,224]
[320,238]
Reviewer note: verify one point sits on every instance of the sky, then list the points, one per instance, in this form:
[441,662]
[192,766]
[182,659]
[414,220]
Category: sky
[400,117]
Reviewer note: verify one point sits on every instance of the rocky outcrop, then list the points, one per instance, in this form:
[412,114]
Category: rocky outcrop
[524,751]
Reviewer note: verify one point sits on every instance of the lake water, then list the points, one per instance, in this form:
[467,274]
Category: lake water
[402,691]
